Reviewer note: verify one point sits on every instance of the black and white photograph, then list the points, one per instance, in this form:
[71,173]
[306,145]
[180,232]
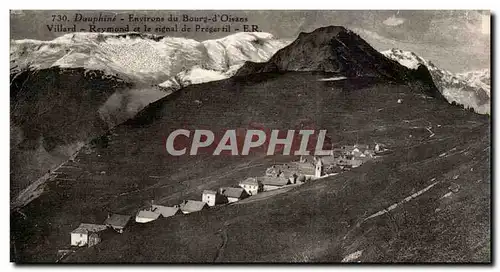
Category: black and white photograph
[250,136]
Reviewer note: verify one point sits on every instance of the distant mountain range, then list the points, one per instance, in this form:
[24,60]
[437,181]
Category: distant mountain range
[168,63]
[479,78]
[470,89]
[144,58]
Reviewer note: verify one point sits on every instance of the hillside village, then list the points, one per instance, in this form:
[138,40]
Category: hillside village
[306,169]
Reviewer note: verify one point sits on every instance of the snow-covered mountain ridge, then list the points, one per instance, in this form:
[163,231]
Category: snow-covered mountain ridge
[471,89]
[172,63]
[479,78]
[143,57]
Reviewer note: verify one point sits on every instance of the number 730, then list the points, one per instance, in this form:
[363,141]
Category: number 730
[59,18]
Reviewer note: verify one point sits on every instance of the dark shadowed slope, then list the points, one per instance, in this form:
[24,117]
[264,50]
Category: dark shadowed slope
[53,113]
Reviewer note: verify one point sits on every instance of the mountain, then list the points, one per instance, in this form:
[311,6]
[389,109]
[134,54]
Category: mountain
[76,87]
[479,78]
[337,50]
[427,201]
[471,89]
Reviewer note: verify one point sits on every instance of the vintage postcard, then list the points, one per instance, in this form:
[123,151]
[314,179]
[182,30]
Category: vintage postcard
[259,136]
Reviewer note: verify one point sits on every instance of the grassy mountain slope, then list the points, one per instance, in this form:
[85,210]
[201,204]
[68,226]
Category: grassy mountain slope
[307,223]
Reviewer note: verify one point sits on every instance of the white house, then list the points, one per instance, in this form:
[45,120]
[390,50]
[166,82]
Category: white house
[252,186]
[81,235]
[306,168]
[213,198]
[208,196]
[319,168]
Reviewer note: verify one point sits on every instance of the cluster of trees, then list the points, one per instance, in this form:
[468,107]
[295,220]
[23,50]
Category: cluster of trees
[471,109]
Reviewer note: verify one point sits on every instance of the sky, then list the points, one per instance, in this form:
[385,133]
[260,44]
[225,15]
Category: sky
[454,40]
